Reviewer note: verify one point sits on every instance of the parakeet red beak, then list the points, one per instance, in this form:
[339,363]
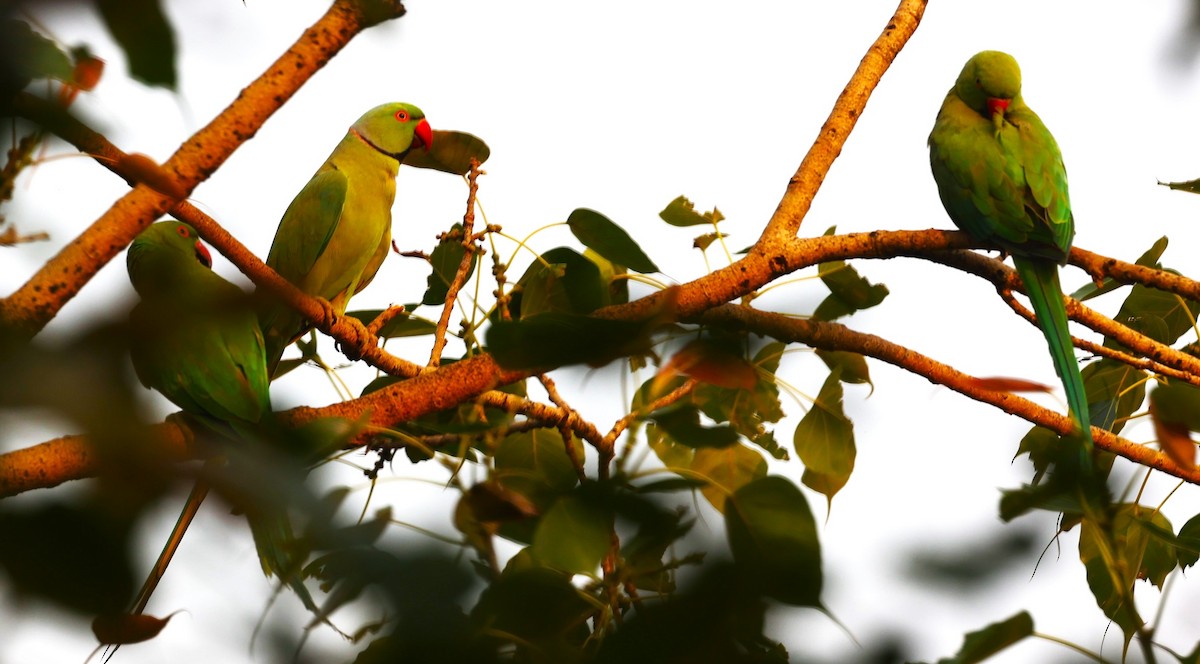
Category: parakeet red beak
[202,254]
[424,134]
[997,106]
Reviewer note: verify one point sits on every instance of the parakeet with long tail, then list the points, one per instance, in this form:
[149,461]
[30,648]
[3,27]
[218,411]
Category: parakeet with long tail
[337,231]
[1001,178]
[195,338]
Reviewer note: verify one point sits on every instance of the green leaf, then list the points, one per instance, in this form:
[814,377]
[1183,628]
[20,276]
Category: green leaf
[1052,497]
[1040,444]
[773,537]
[444,260]
[683,426]
[853,366]
[681,212]
[1157,548]
[146,37]
[703,242]
[553,339]
[560,280]
[402,325]
[1192,657]
[671,453]
[1148,259]
[1188,542]
[451,152]
[26,55]
[848,292]
[644,552]
[1190,186]
[535,464]
[1115,391]
[613,275]
[824,441]
[748,410]
[766,440]
[609,240]
[534,604]
[574,534]
[978,646]
[727,470]
[1160,315]
[1129,543]
[670,484]
[1177,402]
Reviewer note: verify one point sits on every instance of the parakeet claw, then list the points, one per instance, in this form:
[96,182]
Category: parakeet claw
[329,315]
[362,338]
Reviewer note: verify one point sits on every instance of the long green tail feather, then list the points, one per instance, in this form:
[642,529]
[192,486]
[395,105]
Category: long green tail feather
[1045,294]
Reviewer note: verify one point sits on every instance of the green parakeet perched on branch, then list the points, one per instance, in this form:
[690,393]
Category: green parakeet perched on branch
[195,338]
[1001,178]
[338,229]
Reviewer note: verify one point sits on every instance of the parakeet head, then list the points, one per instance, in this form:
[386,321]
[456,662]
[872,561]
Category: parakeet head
[161,248]
[394,129]
[989,82]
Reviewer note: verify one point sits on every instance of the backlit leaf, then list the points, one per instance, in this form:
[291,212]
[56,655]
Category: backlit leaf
[535,464]
[773,537]
[979,646]
[609,240]
[573,535]
[824,441]
[560,280]
[727,470]
[451,152]
[445,259]
[1149,259]
[144,34]
[848,292]
[554,338]
[681,212]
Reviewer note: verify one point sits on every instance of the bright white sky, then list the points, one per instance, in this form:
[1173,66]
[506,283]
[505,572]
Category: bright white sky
[621,106]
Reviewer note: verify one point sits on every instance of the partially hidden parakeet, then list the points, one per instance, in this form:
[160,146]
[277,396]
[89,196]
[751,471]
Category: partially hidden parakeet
[1001,178]
[195,338]
[337,231]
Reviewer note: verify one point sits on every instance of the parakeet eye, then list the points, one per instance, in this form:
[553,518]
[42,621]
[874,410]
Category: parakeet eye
[183,231]
[402,116]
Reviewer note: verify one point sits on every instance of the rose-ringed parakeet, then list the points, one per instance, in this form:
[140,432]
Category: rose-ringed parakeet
[1001,178]
[337,231]
[195,338]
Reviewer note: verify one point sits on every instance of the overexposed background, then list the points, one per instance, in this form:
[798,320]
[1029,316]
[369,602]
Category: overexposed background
[622,106]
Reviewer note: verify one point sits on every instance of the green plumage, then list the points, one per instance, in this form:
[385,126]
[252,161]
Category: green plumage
[337,231]
[1001,178]
[195,338]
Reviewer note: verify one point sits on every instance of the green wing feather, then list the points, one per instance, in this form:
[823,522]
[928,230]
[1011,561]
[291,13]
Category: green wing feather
[308,224]
[303,236]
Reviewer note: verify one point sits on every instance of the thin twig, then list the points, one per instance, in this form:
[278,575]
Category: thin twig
[619,427]
[464,266]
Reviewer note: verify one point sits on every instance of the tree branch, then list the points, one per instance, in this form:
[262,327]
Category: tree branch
[850,104]
[448,386]
[833,336]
